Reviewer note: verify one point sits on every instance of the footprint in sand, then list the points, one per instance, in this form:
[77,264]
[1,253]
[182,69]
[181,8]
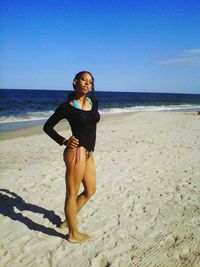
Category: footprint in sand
[169,241]
[99,260]
[185,254]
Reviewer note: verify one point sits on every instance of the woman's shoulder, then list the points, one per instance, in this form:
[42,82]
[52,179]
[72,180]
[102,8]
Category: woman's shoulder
[92,99]
[62,107]
[95,102]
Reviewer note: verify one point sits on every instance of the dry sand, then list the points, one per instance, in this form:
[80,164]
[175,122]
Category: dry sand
[145,212]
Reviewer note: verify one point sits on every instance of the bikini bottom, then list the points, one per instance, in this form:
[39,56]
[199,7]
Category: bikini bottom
[88,153]
[78,154]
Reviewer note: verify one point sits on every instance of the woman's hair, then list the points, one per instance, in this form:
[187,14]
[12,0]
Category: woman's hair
[77,76]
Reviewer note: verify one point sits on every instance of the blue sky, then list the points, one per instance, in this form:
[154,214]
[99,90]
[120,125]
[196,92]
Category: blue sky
[139,46]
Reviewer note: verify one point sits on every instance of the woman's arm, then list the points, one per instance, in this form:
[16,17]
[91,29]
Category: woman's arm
[59,114]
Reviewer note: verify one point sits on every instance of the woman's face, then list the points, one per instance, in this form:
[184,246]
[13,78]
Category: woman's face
[83,84]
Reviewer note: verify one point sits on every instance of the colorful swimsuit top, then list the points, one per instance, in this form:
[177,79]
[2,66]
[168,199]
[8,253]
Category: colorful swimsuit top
[82,122]
[76,105]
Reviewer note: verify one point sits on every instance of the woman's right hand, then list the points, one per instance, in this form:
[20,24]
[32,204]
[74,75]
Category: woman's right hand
[72,142]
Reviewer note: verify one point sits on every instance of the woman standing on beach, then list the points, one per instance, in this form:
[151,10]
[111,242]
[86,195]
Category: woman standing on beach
[82,115]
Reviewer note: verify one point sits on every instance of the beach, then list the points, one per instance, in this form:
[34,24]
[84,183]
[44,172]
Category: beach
[146,208]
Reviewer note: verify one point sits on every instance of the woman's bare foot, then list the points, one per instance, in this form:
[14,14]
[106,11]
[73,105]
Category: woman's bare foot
[64,225]
[78,237]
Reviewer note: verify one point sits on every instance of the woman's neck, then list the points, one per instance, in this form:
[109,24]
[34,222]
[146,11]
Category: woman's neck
[80,98]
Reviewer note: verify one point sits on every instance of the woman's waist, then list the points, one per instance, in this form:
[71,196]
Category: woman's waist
[84,136]
[82,147]
[86,146]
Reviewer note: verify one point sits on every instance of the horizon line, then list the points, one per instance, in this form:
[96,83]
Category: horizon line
[100,91]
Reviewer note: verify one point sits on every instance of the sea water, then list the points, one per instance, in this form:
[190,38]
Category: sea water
[20,108]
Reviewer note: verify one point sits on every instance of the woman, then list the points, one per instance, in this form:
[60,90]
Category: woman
[82,115]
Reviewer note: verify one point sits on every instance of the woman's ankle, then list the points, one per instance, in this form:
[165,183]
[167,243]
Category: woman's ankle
[74,232]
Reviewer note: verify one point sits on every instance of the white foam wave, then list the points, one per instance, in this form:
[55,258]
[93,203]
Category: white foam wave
[32,116]
[149,108]
[35,116]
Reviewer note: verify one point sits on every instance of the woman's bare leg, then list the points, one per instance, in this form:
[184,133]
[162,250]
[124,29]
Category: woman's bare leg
[73,180]
[89,183]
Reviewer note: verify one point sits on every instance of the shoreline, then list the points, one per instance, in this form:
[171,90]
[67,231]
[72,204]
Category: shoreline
[63,125]
[15,125]
[31,130]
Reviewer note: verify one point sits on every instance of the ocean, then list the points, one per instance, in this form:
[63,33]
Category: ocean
[21,108]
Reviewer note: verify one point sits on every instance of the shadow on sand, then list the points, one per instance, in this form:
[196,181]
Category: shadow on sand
[9,200]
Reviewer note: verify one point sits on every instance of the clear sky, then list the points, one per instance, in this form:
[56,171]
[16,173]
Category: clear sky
[139,46]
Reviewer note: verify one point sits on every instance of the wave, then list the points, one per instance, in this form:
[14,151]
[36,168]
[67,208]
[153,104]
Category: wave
[41,116]
[151,108]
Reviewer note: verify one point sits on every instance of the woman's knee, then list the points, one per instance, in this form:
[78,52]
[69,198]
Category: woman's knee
[72,189]
[71,194]
[90,192]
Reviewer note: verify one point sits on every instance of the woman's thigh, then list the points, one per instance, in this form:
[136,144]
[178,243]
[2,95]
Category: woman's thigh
[74,169]
[89,177]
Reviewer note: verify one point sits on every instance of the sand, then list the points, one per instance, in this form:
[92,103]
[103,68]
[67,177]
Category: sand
[146,209]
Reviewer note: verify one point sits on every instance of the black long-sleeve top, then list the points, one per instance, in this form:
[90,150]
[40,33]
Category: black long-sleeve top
[82,122]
